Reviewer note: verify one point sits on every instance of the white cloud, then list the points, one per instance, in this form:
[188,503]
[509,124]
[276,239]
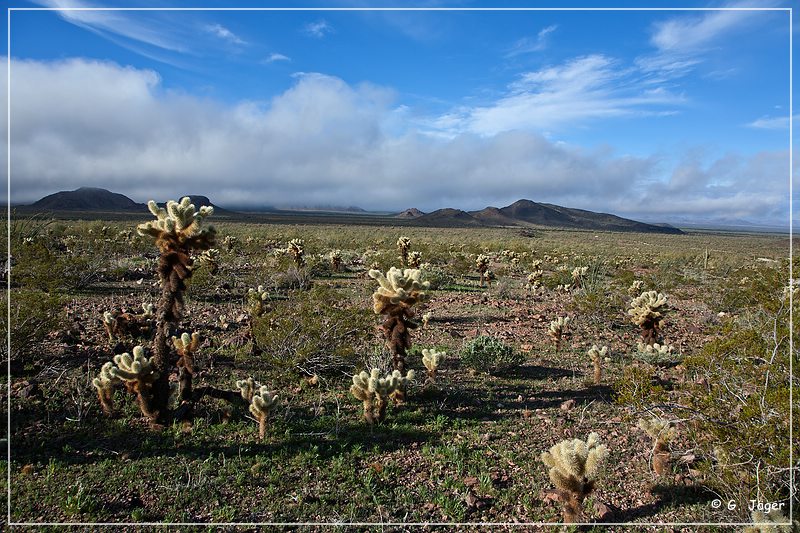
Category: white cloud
[581,89]
[273,57]
[323,141]
[528,44]
[318,28]
[772,123]
[223,33]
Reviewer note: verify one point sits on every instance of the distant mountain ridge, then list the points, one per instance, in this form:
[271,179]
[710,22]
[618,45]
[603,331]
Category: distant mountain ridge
[522,213]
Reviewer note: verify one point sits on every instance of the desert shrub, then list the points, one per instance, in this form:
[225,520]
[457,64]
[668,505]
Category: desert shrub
[437,276]
[314,332]
[292,279]
[488,354]
[34,314]
[38,265]
[638,387]
[319,266]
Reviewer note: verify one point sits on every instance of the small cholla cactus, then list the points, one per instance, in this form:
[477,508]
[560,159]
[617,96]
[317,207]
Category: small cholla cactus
[139,374]
[489,276]
[563,288]
[104,383]
[662,432]
[256,299]
[148,310]
[771,522]
[578,273]
[636,287]
[335,257]
[414,259]
[431,359]
[295,249]
[656,354]
[210,259]
[646,311]
[399,291]
[261,406]
[120,325]
[534,282]
[186,345]
[482,266]
[425,319]
[597,355]
[536,264]
[375,391]
[404,245]
[230,243]
[574,467]
[557,329]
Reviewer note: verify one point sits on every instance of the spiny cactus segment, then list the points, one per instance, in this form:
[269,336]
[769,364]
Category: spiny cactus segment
[247,388]
[662,432]
[137,372]
[597,355]
[636,287]
[414,259]
[432,358]
[404,245]
[375,391]
[534,281]
[104,383]
[210,259]
[295,249]
[256,299]
[557,329]
[178,225]
[646,311]
[574,467]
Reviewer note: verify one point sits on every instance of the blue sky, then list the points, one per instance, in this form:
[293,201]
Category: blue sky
[656,115]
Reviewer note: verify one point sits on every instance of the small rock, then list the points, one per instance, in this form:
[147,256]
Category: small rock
[568,405]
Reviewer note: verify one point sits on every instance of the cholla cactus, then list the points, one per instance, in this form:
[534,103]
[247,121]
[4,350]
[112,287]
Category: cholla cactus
[210,259]
[414,259]
[534,281]
[636,287]
[404,245]
[230,243]
[148,311]
[557,329]
[482,266]
[295,249]
[646,311]
[772,522]
[489,276]
[399,291]
[335,257]
[662,432]
[139,374]
[578,274]
[657,354]
[431,359]
[536,264]
[563,288]
[574,468]
[120,325]
[247,388]
[426,317]
[597,355]
[256,299]
[177,231]
[104,383]
[375,391]
[186,345]
[262,404]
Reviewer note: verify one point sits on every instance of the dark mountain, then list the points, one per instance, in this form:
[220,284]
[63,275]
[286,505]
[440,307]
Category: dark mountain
[410,213]
[448,218]
[87,199]
[492,216]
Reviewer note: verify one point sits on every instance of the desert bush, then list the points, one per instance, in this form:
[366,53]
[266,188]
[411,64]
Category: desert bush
[34,314]
[436,276]
[292,279]
[488,354]
[314,332]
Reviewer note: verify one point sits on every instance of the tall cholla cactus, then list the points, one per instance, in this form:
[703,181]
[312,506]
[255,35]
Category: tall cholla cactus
[578,274]
[597,355]
[177,231]
[414,259]
[256,299]
[261,406]
[295,249]
[137,371]
[404,245]
[662,432]
[210,259]
[482,266]
[534,281]
[399,291]
[186,345]
[557,329]
[574,467]
[646,311]
[431,359]
[375,391]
